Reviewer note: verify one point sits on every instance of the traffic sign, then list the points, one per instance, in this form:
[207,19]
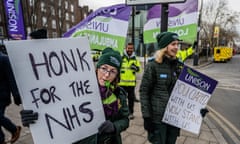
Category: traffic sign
[141,2]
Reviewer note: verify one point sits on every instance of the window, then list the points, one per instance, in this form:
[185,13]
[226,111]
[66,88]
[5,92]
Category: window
[44,20]
[72,8]
[60,13]
[67,26]
[54,24]
[43,9]
[67,16]
[53,11]
[73,18]
[66,4]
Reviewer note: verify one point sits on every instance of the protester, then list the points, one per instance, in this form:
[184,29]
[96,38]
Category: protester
[130,66]
[39,34]
[113,100]
[8,87]
[158,80]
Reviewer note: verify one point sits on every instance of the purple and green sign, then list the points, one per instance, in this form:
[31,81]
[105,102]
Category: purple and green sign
[105,27]
[182,19]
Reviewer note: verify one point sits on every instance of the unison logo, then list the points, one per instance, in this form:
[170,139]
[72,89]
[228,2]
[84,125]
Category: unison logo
[196,80]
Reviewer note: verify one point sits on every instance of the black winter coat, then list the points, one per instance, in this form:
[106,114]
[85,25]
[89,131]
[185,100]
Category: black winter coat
[7,82]
[156,86]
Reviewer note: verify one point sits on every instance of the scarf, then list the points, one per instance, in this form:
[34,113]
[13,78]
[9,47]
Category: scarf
[109,109]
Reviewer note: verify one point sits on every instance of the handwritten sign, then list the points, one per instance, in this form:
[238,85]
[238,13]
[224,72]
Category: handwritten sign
[56,78]
[190,94]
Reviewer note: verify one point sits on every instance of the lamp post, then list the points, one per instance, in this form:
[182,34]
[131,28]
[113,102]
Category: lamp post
[133,25]
[195,45]
[164,17]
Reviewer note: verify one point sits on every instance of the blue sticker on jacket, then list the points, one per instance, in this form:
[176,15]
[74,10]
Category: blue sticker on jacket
[163,75]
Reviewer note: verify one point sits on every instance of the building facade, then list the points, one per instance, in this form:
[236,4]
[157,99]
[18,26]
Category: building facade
[57,16]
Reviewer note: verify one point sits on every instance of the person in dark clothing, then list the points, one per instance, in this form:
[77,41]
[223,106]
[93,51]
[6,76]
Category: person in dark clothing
[39,34]
[159,78]
[114,101]
[8,87]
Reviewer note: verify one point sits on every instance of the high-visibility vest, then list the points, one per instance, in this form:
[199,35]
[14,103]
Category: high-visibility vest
[128,75]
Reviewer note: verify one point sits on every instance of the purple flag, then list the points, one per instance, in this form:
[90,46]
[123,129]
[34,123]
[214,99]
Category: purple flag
[119,11]
[15,21]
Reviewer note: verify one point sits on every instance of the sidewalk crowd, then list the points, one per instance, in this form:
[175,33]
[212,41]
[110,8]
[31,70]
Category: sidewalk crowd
[135,134]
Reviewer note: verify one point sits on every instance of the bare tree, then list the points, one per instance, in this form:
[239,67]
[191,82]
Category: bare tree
[217,13]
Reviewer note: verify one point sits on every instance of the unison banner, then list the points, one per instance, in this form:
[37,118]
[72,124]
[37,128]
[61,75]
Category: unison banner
[182,19]
[106,27]
[190,94]
[15,22]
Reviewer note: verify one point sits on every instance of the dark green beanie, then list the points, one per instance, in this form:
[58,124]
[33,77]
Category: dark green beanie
[110,57]
[165,38]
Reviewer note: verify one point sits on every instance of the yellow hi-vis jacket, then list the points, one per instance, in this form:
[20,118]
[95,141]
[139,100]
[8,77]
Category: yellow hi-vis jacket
[128,73]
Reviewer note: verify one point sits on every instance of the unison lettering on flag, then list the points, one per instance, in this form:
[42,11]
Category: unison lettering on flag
[182,19]
[15,20]
[105,27]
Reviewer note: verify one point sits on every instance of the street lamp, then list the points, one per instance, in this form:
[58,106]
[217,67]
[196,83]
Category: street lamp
[195,45]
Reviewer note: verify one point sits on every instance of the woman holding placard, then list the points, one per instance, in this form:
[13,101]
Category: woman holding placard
[113,100]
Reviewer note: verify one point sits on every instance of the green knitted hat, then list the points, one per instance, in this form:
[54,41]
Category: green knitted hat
[165,38]
[110,57]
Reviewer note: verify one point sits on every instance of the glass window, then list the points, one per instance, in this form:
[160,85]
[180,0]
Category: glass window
[73,18]
[44,20]
[53,11]
[67,26]
[66,4]
[72,8]
[54,24]
[43,9]
[67,16]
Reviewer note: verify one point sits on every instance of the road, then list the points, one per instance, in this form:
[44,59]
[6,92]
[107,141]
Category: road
[225,99]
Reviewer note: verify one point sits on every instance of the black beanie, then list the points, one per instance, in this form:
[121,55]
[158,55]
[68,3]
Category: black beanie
[39,34]
[110,57]
[165,38]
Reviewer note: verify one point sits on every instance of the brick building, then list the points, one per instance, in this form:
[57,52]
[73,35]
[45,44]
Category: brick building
[57,16]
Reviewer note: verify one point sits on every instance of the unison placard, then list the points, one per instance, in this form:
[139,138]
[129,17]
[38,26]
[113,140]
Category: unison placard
[190,94]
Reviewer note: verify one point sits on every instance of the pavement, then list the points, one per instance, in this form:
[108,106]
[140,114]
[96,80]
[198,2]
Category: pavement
[135,134]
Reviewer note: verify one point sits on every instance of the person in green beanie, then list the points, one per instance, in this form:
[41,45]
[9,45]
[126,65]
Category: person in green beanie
[157,83]
[159,78]
[114,101]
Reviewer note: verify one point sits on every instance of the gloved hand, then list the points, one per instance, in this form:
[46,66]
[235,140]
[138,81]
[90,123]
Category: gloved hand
[203,112]
[106,127]
[17,100]
[134,67]
[148,125]
[28,117]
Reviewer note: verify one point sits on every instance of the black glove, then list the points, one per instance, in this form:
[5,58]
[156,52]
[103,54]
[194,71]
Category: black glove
[106,127]
[28,117]
[148,125]
[17,100]
[134,67]
[203,112]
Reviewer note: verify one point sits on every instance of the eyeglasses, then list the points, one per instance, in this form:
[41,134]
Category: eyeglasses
[104,70]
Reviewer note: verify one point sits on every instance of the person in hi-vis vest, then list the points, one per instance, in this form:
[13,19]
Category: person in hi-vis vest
[130,66]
